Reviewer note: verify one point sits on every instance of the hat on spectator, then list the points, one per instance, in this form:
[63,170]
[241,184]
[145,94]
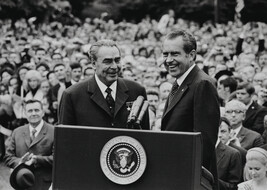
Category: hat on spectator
[22,177]
[223,72]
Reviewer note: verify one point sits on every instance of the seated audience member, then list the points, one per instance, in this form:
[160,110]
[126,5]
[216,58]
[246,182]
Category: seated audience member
[235,113]
[32,144]
[264,134]
[254,115]
[255,170]
[226,137]
[228,160]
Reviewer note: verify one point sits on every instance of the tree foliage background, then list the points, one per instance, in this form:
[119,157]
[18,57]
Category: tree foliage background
[134,10]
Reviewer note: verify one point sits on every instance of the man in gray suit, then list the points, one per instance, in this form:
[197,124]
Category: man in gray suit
[32,144]
[246,138]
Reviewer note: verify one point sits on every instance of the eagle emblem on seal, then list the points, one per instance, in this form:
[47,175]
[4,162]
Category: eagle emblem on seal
[123,160]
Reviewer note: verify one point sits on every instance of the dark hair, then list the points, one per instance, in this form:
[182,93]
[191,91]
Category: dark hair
[229,82]
[59,64]
[8,70]
[49,73]
[40,49]
[188,39]
[247,86]
[225,120]
[32,101]
[75,66]
[43,65]
[152,92]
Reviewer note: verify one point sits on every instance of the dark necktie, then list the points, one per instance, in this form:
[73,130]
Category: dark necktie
[110,101]
[33,134]
[174,89]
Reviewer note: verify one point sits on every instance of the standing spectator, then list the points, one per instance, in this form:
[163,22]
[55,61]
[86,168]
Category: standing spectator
[32,83]
[76,73]
[32,144]
[192,92]
[101,100]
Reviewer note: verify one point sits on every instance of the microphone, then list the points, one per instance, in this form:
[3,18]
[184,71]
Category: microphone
[135,109]
[142,112]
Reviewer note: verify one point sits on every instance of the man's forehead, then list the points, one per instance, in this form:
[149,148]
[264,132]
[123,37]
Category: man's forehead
[33,105]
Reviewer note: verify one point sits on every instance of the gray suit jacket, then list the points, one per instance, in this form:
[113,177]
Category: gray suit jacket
[249,139]
[42,146]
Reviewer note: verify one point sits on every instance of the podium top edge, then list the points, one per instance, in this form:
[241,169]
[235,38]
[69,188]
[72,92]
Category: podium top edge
[126,130]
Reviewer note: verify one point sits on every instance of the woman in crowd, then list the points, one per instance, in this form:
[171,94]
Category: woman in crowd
[255,170]
[32,83]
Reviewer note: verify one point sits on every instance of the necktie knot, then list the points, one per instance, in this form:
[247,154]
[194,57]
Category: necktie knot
[108,90]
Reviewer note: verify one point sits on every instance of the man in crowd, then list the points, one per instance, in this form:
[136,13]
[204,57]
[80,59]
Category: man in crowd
[255,113]
[229,163]
[76,73]
[101,100]
[193,103]
[235,113]
[32,144]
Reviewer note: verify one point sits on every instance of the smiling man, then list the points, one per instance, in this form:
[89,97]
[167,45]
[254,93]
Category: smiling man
[101,100]
[193,103]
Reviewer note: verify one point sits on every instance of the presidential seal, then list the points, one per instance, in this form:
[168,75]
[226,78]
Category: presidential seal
[123,160]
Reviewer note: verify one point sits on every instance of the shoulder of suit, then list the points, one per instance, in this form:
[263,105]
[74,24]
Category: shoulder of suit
[250,131]
[78,86]
[130,83]
[21,128]
[231,149]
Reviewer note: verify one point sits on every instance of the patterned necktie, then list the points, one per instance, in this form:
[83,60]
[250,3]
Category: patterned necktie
[174,89]
[33,134]
[110,101]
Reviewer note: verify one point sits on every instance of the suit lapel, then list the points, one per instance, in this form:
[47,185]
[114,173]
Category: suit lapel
[220,152]
[26,135]
[181,91]
[121,96]
[241,135]
[250,112]
[41,135]
[97,96]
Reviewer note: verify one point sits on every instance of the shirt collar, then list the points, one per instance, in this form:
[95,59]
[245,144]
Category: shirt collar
[38,128]
[73,81]
[103,87]
[181,79]
[237,130]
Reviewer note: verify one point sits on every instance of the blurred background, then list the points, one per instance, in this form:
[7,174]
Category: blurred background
[219,11]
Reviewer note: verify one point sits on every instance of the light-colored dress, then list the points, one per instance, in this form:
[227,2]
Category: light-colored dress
[247,185]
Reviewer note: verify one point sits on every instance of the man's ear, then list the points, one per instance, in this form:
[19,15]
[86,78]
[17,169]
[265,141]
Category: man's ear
[192,55]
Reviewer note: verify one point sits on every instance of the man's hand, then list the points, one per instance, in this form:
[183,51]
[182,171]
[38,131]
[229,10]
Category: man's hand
[32,160]
[25,158]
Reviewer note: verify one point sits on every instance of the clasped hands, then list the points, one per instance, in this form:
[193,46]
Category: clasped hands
[29,159]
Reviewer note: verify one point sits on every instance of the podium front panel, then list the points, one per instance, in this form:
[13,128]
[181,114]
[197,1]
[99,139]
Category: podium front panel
[172,159]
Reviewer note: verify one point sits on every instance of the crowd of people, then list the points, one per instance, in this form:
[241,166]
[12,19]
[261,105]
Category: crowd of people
[41,61]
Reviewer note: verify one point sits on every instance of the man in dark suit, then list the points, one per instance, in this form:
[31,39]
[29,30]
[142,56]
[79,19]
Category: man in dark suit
[101,100]
[32,144]
[194,105]
[255,113]
[235,113]
[229,163]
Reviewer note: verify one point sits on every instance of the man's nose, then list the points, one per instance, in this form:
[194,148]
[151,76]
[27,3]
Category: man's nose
[169,58]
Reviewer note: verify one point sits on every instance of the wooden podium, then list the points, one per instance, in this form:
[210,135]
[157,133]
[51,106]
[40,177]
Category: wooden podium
[104,158]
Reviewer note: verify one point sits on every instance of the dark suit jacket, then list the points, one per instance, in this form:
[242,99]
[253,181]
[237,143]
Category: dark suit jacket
[229,167]
[195,108]
[242,151]
[42,146]
[84,104]
[53,92]
[254,117]
[249,139]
